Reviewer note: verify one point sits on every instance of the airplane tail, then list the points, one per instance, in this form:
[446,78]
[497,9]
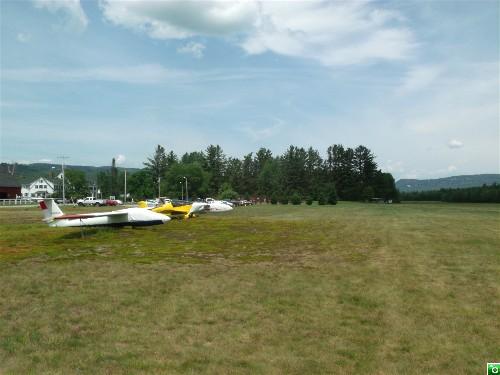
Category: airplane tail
[50,209]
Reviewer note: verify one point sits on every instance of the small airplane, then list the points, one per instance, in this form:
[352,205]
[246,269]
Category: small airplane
[135,217]
[174,209]
[215,206]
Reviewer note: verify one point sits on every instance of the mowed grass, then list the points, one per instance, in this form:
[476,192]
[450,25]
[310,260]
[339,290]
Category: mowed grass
[352,288]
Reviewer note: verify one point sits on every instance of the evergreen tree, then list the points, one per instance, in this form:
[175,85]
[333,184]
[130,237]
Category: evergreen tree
[157,165]
[268,180]
[215,165]
[248,176]
[194,157]
[234,174]
[314,170]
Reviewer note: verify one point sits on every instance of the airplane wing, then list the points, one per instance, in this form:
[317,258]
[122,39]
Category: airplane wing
[115,214]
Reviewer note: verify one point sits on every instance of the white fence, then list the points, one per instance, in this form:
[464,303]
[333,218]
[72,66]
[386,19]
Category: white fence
[18,202]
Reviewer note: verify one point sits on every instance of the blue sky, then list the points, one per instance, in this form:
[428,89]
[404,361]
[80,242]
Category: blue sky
[416,82]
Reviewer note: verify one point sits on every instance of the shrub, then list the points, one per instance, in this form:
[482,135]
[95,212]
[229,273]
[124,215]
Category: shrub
[309,201]
[296,199]
[331,194]
[284,200]
[274,199]
[322,200]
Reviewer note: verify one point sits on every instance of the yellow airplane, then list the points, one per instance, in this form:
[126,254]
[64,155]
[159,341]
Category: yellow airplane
[176,210]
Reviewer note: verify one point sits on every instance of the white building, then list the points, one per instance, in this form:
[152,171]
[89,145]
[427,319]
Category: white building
[41,187]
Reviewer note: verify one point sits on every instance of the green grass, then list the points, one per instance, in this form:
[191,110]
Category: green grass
[352,288]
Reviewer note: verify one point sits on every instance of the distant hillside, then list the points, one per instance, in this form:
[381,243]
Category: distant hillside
[28,172]
[408,185]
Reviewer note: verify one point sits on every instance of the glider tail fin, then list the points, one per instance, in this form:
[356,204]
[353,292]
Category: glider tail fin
[50,209]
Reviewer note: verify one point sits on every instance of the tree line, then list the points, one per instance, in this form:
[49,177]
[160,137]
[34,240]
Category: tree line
[299,173]
[481,194]
[346,173]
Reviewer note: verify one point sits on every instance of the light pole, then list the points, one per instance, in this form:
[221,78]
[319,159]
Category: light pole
[187,197]
[182,190]
[159,186]
[62,167]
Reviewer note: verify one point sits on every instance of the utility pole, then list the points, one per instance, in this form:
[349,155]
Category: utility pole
[187,198]
[182,190]
[159,186]
[62,157]
[125,195]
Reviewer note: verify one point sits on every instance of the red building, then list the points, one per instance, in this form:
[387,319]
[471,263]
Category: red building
[10,188]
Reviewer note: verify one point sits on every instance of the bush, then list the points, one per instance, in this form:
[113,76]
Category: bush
[296,199]
[274,199]
[368,193]
[331,195]
[322,200]
[309,201]
[284,200]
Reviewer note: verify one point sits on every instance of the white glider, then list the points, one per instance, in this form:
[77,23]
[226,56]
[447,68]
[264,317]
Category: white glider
[134,217]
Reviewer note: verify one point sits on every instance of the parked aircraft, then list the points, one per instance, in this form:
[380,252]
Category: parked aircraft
[175,208]
[134,217]
[215,206]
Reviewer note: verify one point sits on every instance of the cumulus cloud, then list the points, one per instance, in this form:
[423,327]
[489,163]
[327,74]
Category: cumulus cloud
[23,37]
[333,33]
[181,19]
[120,159]
[192,48]
[72,11]
[455,143]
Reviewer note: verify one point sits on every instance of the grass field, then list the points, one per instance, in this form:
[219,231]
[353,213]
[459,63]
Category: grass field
[346,289]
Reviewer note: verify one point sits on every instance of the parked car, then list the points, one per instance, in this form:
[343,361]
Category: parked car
[91,201]
[113,202]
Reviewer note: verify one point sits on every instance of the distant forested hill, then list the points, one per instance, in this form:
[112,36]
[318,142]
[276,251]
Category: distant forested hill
[408,185]
[28,172]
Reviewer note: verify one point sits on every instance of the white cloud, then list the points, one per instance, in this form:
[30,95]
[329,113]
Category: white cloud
[44,161]
[394,167]
[192,48]
[455,143]
[259,134]
[452,168]
[23,37]
[145,74]
[418,78]
[120,159]
[181,19]
[333,33]
[75,17]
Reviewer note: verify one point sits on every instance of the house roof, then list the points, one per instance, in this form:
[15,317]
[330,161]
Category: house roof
[37,181]
[7,180]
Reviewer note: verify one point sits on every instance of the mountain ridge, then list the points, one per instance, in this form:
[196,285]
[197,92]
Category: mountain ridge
[26,173]
[452,182]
